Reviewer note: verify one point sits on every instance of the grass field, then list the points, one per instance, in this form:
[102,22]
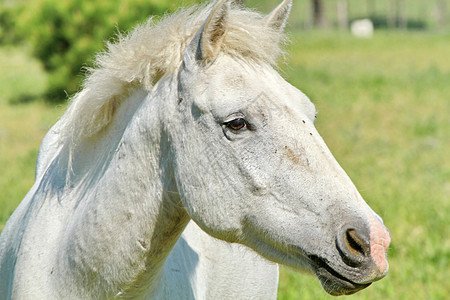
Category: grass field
[384,107]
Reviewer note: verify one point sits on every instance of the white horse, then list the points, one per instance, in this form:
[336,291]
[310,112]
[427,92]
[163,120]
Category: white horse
[187,167]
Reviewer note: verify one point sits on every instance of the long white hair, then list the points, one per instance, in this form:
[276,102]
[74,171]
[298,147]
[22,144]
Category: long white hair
[139,59]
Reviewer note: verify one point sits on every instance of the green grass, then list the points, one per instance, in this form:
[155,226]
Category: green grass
[384,107]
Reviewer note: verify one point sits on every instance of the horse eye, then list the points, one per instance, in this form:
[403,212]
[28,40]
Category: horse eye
[236,124]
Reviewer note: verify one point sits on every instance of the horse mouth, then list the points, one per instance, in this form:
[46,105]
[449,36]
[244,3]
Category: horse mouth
[332,282]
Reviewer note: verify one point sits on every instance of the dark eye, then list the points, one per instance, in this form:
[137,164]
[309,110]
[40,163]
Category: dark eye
[236,124]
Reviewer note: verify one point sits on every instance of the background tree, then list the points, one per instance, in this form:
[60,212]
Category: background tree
[342,14]
[318,7]
[440,12]
[65,35]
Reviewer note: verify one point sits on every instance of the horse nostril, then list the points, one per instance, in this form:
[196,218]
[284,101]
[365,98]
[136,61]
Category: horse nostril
[355,244]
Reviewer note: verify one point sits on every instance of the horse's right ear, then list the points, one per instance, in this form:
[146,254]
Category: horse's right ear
[278,17]
[206,44]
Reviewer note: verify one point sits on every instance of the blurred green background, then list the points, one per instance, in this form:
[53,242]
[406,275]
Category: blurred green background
[384,107]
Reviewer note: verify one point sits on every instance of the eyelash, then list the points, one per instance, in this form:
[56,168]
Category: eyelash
[236,124]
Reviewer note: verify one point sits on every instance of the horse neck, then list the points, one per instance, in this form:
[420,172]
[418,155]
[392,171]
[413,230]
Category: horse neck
[132,208]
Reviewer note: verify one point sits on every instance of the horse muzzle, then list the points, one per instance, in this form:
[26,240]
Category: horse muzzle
[363,251]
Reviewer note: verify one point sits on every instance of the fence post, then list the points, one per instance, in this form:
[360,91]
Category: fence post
[401,14]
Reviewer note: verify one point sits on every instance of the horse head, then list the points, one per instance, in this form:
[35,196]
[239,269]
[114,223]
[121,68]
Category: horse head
[251,167]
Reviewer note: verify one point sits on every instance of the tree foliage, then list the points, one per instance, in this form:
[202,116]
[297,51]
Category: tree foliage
[65,35]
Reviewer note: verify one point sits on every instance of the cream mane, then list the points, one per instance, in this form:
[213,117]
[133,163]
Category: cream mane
[140,58]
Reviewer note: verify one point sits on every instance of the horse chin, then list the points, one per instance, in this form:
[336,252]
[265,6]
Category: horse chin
[332,282]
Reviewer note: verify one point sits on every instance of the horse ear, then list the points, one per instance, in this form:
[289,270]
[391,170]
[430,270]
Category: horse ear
[278,17]
[205,46]
[214,30]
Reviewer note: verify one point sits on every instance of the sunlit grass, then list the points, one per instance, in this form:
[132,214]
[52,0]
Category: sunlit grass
[384,107]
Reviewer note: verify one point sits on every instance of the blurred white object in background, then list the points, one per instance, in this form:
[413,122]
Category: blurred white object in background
[362,28]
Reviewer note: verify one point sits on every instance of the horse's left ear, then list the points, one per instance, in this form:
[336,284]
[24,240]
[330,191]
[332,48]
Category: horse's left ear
[205,45]
[278,17]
